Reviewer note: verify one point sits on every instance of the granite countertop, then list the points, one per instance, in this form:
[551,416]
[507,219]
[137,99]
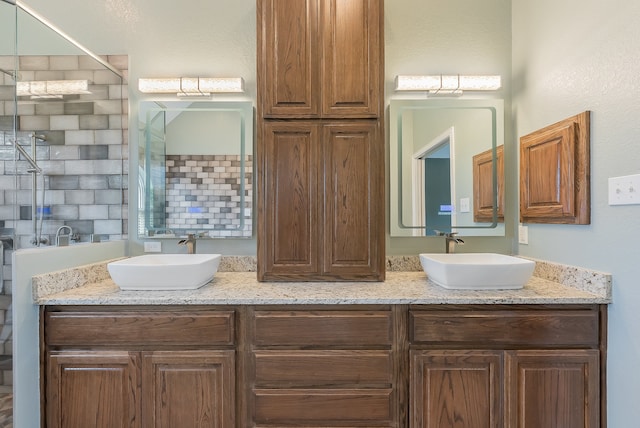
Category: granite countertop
[551,284]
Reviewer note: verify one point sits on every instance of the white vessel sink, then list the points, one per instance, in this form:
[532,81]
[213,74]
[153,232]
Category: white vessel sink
[477,271]
[164,271]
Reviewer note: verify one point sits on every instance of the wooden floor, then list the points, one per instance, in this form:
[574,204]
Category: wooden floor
[6,410]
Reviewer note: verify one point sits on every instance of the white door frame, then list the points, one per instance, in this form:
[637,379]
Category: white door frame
[417,172]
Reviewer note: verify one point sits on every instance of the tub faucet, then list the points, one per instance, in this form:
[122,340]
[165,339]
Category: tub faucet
[450,241]
[61,239]
[190,242]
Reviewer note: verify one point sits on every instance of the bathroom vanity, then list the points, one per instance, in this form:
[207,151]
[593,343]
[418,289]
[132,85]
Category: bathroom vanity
[403,353]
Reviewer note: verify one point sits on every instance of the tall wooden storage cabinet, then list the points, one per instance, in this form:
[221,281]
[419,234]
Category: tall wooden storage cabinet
[321,145]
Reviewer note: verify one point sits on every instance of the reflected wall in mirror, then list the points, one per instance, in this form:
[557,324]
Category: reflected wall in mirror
[195,169]
[433,143]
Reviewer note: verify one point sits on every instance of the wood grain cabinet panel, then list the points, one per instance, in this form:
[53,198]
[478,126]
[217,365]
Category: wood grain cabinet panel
[536,388]
[555,389]
[354,201]
[352,58]
[349,366]
[320,58]
[322,202]
[93,389]
[288,52]
[515,368]
[556,328]
[323,407]
[456,389]
[290,201]
[139,368]
[322,328]
[87,327]
[555,173]
[323,368]
[483,201]
[188,389]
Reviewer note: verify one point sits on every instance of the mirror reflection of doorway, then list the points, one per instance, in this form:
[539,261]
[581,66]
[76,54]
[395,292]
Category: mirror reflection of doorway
[433,174]
[437,184]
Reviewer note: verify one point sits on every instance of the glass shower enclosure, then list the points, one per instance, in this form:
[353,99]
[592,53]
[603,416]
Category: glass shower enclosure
[63,146]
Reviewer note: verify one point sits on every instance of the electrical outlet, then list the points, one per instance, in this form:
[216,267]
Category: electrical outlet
[153,247]
[624,190]
[523,234]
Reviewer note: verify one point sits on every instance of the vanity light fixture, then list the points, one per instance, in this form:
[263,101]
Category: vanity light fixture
[191,86]
[51,88]
[453,84]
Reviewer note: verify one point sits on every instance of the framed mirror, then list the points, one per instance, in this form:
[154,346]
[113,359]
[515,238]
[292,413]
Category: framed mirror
[446,170]
[195,171]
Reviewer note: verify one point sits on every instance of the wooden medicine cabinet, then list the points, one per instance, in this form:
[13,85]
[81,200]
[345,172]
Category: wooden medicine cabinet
[483,185]
[554,173]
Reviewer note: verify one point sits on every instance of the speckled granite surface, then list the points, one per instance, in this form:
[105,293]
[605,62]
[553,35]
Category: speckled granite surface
[403,264]
[238,264]
[67,279]
[582,279]
[401,287]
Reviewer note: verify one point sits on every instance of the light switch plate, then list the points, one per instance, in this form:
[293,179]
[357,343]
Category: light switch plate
[523,234]
[624,190]
[464,205]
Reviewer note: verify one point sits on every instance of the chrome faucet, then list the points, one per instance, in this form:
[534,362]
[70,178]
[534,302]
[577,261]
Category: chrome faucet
[62,240]
[450,241]
[190,242]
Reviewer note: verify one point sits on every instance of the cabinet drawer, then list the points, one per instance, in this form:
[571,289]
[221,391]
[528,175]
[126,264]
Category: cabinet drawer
[142,328]
[323,407]
[322,328]
[530,328]
[323,368]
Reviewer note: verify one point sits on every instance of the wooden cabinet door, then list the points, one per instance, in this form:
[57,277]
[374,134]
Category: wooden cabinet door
[553,389]
[354,192]
[322,202]
[288,228]
[288,54]
[554,173]
[450,389]
[188,389]
[92,389]
[352,55]
[320,58]
[483,186]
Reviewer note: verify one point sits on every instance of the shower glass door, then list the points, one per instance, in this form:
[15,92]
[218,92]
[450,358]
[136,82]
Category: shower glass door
[70,138]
